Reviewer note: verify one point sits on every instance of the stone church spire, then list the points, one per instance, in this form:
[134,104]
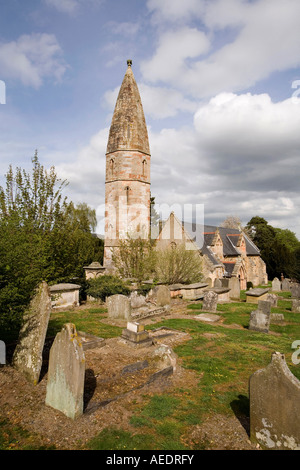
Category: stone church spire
[128,129]
[127,182]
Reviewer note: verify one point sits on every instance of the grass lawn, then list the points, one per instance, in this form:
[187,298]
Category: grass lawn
[222,357]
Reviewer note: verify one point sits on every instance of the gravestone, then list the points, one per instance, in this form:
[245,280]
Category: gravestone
[27,357]
[285,285]
[162,295]
[65,383]
[260,318]
[272,298]
[274,394]
[2,352]
[295,289]
[296,306]
[137,301]
[218,283]
[235,288]
[276,285]
[119,306]
[210,301]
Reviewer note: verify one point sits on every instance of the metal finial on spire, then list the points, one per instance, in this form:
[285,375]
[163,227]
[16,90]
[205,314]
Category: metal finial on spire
[129,63]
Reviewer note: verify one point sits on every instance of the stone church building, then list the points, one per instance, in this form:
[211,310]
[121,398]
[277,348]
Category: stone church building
[225,252]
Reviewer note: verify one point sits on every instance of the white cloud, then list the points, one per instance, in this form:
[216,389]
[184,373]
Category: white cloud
[32,58]
[266,39]
[175,10]
[174,48]
[70,6]
[65,6]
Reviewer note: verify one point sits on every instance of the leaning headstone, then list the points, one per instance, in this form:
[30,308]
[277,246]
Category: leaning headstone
[276,285]
[162,295]
[65,384]
[118,306]
[285,285]
[274,394]
[27,357]
[210,301]
[235,288]
[295,306]
[295,289]
[260,318]
[272,298]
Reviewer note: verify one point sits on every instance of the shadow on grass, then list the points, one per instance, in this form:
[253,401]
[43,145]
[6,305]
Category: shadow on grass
[241,409]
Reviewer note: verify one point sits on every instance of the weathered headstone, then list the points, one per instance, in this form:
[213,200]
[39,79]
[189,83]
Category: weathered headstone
[218,283]
[162,295]
[295,289]
[2,352]
[295,306]
[235,288]
[272,298]
[137,300]
[276,285]
[119,306]
[210,301]
[260,318]
[274,394]
[65,384]
[285,285]
[27,357]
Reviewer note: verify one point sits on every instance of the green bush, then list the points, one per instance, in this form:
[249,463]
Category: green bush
[104,286]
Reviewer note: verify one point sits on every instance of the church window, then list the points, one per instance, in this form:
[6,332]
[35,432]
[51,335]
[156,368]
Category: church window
[144,167]
[112,166]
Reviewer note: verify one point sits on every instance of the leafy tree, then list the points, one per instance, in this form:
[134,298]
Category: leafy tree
[135,259]
[175,265]
[104,286]
[277,247]
[42,237]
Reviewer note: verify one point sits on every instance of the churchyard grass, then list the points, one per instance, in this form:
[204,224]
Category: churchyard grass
[88,320]
[221,357]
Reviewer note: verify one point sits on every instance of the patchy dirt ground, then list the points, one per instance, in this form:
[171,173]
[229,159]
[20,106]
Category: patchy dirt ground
[110,392]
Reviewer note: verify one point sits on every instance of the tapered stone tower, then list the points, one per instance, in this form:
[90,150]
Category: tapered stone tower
[127,183]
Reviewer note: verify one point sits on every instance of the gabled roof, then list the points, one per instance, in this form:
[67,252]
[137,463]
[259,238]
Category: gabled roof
[204,235]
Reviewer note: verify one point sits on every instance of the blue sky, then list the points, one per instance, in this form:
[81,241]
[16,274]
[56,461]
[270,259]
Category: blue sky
[219,82]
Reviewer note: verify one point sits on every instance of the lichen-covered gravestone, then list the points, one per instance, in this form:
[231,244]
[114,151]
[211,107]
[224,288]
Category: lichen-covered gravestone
[260,318]
[119,306]
[65,383]
[28,355]
[162,295]
[210,301]
[274,394]
[295,289]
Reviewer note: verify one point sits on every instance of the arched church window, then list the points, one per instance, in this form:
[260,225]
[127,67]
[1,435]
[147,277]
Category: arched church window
[144,169]
[112,166]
